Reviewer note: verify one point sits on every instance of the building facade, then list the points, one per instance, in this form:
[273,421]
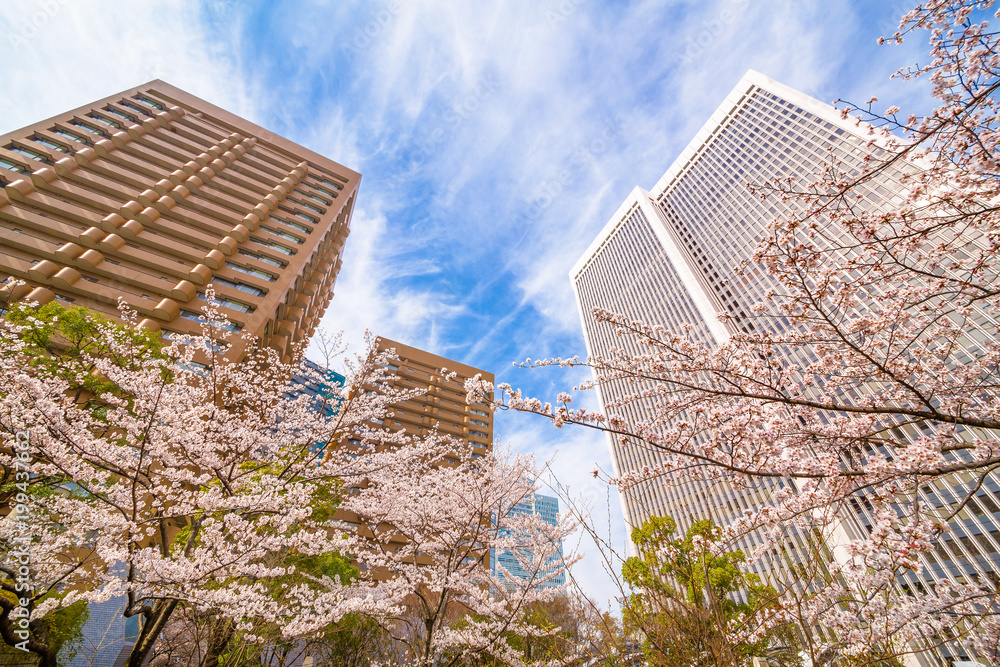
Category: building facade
[670,256]
[322,386]
[440,408]
[443,407]
[148,197]
[152,194]
[547,507]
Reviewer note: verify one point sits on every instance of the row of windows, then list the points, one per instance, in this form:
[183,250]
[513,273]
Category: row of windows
[96,131]
[285,250]
[250,271]
[282,234]
[196,317]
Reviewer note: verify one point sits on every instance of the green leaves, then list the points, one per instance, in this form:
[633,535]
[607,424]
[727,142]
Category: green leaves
[62,341]
[686,592]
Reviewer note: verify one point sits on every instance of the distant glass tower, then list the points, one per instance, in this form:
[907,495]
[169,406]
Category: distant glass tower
[547,508]
[325,394]
[670,256]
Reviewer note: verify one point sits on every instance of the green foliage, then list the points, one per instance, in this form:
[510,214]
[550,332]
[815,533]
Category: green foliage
[61,630]
[62,340]
[352,642]
[685,598]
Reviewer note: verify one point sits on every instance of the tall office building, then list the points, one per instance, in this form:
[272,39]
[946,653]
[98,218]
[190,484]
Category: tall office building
[547,507]
[443,406]
[149,196]
[152,194]
[670,256]
[322,385]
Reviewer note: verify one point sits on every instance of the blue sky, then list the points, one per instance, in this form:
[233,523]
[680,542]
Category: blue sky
[494,140]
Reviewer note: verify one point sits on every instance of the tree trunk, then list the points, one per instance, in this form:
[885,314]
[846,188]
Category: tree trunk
[46,656]
[218,642]
[722,653]
[150,632]
[429,625]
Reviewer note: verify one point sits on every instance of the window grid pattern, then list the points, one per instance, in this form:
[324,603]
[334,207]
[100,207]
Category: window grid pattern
[547,508]
[716,222]
[719,222]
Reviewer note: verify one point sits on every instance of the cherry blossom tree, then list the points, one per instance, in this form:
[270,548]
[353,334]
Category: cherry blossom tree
[863,391]
[427,533]
[178,480]
[176,476]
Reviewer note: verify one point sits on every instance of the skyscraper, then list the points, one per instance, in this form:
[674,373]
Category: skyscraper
[670,256]
[547,507]
[152,194]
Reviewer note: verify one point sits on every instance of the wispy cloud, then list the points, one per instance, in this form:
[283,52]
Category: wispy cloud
[89,50]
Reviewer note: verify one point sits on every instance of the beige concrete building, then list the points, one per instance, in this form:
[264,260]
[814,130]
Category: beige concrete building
[443,406]
[152,194]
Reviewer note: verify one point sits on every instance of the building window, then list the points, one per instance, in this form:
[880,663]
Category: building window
[88,128]
[316,198]
[306,217]
[326,191]
[106,121]
[243,287]
[13,166]
[121,114]
[193,367]
[295,225]
[72,136]
[257,273]
[226,302]
[273,246]
[48,143]
[263,258]
[284,235]
[27,152]
[229,326]
[311,207]
[150,103]
[330,184]
[136,107]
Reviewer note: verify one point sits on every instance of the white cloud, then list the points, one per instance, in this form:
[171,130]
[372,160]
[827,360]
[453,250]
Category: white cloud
[85,50]
[370,294]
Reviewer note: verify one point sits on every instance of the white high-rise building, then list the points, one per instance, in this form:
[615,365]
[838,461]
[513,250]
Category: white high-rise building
[670,256]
